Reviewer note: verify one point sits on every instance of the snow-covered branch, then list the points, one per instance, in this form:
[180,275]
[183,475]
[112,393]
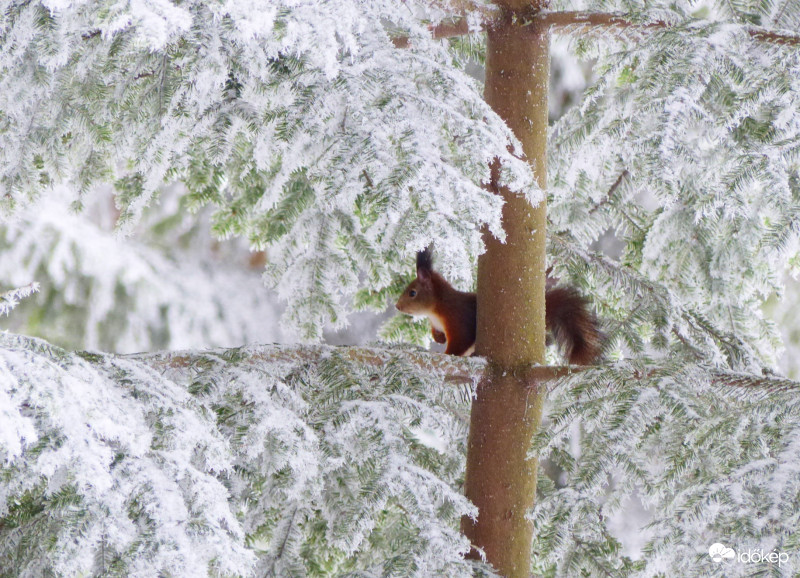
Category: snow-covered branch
[290,458]
[577,22]
[228,461]
[10,299]
[580,22]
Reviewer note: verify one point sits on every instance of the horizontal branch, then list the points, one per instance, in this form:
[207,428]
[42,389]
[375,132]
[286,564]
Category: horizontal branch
[578,20]
[454,370]
[458,27]
[574,21]
[728,380]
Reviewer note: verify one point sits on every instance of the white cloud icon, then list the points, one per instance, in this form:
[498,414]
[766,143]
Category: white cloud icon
[719,551]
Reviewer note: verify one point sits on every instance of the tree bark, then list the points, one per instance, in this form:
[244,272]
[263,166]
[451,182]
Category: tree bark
[500,478]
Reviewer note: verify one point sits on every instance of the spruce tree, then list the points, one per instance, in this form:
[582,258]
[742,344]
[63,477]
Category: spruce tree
[342,137]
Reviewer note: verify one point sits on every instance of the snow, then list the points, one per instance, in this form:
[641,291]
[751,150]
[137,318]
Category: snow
[310,94]
[99,439]
[127,295]
[190,461]
[10,299]
[297,127]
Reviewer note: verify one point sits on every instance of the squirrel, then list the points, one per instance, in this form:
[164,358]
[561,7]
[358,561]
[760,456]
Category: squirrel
[453,314]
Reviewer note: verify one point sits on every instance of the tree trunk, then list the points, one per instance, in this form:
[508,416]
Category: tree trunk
[500,479]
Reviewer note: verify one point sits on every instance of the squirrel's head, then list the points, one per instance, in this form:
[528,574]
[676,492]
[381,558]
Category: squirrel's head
[419,298]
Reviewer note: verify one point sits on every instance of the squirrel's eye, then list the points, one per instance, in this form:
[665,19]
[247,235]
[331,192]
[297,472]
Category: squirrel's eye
[412,293]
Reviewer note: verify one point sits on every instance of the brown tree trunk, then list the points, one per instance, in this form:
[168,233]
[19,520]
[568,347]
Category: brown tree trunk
[500,479]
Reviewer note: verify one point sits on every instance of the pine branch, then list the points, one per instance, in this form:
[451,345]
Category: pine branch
[450,29]
[570,22]
[592,20]
[750,382]
[766,383]
[730,344]
[455,370]
[253,461]
[610,194]
[10,299]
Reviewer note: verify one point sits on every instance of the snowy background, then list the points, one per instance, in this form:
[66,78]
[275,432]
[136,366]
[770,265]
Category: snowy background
[260,188]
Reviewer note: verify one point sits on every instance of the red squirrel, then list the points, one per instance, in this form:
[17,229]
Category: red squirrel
[453,314]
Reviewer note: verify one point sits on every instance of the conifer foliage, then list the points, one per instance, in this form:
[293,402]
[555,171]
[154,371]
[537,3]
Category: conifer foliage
[169,285]
[10,299]
[300,122]
[309,133]
[278,461]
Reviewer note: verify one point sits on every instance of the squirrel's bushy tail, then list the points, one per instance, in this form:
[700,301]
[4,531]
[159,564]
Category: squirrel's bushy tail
[573,326]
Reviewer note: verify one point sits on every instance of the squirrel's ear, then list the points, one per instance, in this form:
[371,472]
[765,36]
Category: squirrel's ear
[424,264]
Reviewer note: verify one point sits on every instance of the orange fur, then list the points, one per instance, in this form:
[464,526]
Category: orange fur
[453,315]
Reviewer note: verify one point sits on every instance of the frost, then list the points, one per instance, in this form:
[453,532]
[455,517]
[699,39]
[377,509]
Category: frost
[99,291]
[299,122]
[130,460]
[298,128]
[694,179]
[10,299]
[253,460]
[711,455]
